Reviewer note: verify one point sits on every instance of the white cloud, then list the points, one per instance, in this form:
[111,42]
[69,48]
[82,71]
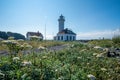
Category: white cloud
[95,34]
[49,37]
[107,34]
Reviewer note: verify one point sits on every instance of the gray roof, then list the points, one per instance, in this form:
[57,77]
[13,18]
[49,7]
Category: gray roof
[66,31]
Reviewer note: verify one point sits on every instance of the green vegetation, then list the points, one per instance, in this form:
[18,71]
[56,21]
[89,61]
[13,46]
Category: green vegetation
[116,39]
[6,35]
[103,43]
[78,61]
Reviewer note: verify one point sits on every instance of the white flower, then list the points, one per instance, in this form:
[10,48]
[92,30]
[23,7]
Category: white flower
[92,77]
[56,70]
[16,58]
[26,63]
[88,63]
[11,38]
[100,55]
[44,57]
[72,45]
[103,69]
[21,40]
[41,48]
[1,74]
[35,38]
[24,75]
[106,49]
[98,47]
[94,54]
[26,45]
[79,57]
[83,50]
[10,42]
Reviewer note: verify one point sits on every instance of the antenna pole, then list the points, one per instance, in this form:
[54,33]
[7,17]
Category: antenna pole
[45,31]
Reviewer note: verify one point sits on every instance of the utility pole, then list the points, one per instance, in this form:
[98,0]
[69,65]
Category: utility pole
[45,31]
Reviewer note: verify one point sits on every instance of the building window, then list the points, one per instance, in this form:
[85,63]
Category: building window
[70,38]
[73,38]
[61,37]
[58,37]
[67,38]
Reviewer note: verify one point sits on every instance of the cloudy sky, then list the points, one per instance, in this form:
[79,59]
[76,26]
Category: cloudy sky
[89,19]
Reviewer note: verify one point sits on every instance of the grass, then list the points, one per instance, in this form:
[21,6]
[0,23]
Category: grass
[73,63]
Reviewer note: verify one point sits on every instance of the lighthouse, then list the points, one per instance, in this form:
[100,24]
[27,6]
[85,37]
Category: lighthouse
[64,34]
[61,21]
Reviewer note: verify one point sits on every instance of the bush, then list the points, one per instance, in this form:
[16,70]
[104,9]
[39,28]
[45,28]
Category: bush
[116,39]
[35,38]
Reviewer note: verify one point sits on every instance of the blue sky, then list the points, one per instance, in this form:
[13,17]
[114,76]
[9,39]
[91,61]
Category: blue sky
[88,18]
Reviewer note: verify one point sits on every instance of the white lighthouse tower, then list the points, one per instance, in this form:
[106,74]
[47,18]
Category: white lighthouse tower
[64,34]
[61,21]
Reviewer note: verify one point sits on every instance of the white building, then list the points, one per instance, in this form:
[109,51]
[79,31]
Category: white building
[30,34]
[64,34]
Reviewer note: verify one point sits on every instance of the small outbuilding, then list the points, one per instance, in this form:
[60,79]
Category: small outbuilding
[30,34]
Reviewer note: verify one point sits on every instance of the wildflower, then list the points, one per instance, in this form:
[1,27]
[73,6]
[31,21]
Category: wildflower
[1,74]
[41,48]
[27,46]
[35,38]
[11,38]
[24,76]
[20,40]
[21,47]
[72,45]
[106,49]
[100,55]
[94,54]
[16,58]
[61,78]
[83,50]
[88,63]
[26,63]
[98,47]
[79,57]
[44,57]
[10,42]
[56,70]
[92,77]
[103,69]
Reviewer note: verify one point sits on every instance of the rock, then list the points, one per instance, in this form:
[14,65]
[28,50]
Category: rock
[111,54]
[3,52]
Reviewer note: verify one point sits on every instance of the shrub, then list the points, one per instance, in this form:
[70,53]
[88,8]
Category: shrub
[35,38]
[116,39]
